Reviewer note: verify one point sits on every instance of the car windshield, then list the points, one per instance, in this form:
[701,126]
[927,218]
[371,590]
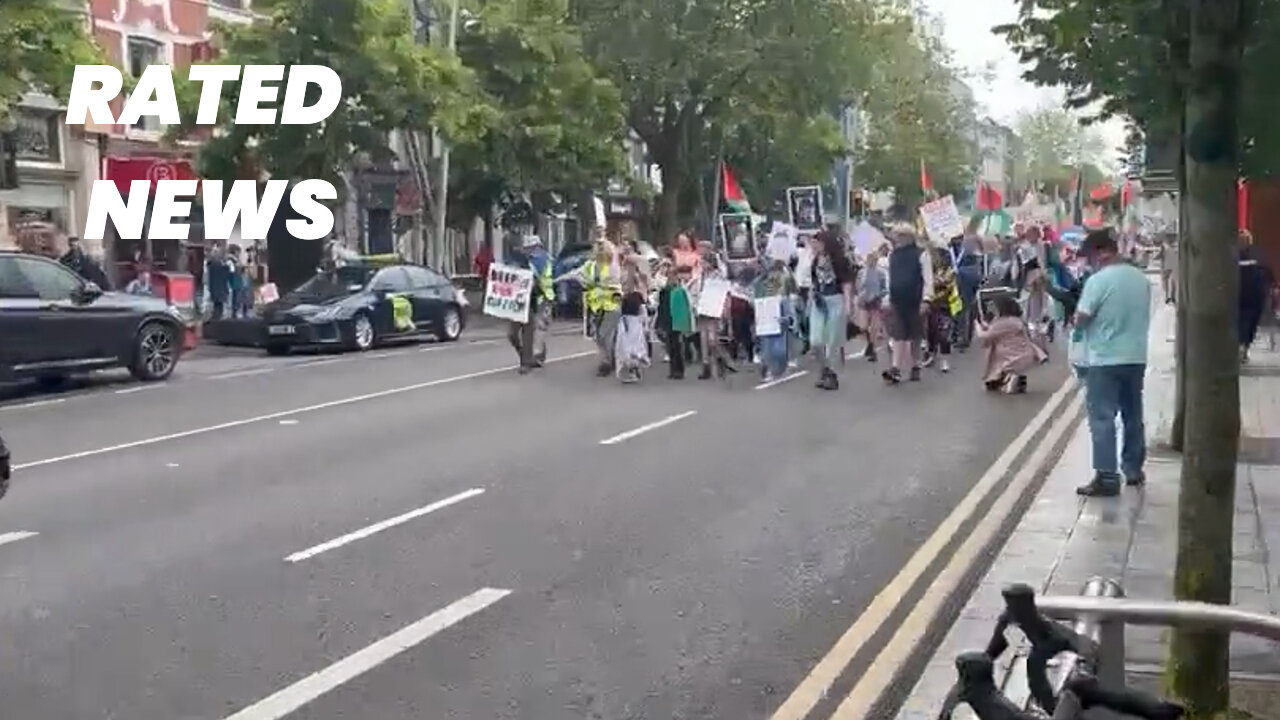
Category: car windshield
[338,281]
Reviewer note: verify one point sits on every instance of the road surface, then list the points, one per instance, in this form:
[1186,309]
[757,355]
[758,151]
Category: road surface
[421,533]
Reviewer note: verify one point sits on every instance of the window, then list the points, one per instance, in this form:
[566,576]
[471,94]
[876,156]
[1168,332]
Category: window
[37,136]
[420,277]
[13,284]
[390,280]
[51,280]
[141,53]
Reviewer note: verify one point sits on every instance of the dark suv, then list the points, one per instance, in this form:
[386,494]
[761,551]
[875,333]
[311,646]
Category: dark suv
[53,323]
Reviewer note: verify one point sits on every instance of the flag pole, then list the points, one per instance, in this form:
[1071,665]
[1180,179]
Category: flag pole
[715,199]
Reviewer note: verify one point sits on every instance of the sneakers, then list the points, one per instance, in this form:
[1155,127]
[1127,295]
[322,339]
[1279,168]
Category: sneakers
[945,366]
[828,381]
[892,376]
[1137,479]
[1102,485]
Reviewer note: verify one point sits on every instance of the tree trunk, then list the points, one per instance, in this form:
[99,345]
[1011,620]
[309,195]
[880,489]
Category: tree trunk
[1199,659]
[1177,433]
[673,176]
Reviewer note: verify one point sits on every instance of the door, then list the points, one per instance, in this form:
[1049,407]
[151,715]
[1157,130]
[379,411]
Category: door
[85,330]
[388,283]
[20,309]
[431,295]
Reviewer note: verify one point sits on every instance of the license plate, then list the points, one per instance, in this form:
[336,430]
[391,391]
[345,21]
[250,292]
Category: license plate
[282,330]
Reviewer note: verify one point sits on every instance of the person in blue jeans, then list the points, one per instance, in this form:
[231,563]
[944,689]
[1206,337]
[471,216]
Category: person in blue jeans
[1114,314]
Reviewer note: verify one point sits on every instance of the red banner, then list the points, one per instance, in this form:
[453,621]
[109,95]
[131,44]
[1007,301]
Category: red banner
[124,170]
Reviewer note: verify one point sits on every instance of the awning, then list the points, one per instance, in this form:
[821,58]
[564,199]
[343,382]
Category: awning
[124,170]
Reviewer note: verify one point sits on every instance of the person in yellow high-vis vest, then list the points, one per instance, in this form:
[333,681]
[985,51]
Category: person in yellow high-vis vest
[601,301]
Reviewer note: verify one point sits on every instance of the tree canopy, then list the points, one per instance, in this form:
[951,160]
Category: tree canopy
[389,82]
[41,42]
[690,72]
[916,110]
[559,125]
[1055,145]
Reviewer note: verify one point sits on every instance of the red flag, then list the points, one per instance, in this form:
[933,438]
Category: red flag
[926,182]
[1242,205]
[989,198]
[731,191]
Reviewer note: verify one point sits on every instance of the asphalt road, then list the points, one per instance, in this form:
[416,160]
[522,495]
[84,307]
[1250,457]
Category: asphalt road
[421,533]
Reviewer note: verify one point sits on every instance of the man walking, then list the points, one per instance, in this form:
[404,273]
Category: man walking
[530,338]
[1115,314]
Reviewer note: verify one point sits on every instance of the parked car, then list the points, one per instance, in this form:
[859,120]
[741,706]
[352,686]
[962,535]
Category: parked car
[53,324]
[352,307]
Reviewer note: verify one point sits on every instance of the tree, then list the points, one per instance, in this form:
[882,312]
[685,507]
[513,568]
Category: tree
[560,125]
[41,43]
[1056,144]
[1183,77]
[918,110]
[683,67]
[389,82]
[770,152]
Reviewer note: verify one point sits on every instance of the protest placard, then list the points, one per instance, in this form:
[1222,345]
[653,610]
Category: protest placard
[804,207]
[508,292]
[715,291]
[737,235]
[941,220]
[783,243]
[768,315]
[866,239]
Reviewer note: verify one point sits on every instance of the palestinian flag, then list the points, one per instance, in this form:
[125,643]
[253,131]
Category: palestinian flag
[926,182]
[731,192]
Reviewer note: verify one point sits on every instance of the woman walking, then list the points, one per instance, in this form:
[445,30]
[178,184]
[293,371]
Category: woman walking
[1255,284]
[830,302]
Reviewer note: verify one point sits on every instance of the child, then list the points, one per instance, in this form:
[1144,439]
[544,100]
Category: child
[1009,349]
[775,283]
[873,289]
[1068,296]
[675,319]
[1036,309]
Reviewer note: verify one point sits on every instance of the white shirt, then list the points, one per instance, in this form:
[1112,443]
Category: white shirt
[804,266]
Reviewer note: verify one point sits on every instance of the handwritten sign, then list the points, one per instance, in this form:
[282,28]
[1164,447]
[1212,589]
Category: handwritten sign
[768,315]
[715,292]
[508,293]
[941,220]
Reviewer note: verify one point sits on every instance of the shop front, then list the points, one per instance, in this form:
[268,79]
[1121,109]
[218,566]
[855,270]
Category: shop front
[124,253]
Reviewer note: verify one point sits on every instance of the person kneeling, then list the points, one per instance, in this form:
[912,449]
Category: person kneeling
[1010,352]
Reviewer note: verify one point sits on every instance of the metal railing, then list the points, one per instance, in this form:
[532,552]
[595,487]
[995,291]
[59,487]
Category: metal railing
[1069,669]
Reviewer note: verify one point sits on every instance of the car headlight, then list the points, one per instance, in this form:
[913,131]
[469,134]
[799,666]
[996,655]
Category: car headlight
[327,314]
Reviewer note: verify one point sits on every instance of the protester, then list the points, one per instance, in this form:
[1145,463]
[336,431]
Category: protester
[966,258]
[830,303]
[909,283]
[524,336]
[601,301]
[675,319]
[631,351]
[218,273]
[1255,284]
[775,283]
[1169,267]
[940,316]
[873,290]
[714,360]
[1010,353]
[1115,314]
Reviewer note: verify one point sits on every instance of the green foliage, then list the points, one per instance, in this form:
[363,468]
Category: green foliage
[1055,144]
[388,82]
[560,126]
[691,71]
[916,109]
[770,152]
[41,42]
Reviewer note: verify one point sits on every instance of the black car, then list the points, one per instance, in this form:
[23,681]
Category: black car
[352,307]
[53,323]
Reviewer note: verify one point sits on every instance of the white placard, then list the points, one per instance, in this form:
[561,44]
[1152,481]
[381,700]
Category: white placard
[942,220]
[768,315]
[782,241]
[715,292]
[507,294]
[866,238]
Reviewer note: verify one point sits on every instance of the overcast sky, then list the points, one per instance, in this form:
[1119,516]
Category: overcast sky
[968,26]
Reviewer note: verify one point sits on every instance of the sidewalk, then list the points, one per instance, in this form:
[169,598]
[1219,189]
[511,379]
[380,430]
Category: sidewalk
[1063,540]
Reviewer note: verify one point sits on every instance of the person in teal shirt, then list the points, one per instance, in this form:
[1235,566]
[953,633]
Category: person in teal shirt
[1114,313]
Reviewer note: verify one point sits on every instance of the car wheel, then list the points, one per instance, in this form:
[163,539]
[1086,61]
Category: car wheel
[277,350]
[362,335]
[450,325]
[155,352]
